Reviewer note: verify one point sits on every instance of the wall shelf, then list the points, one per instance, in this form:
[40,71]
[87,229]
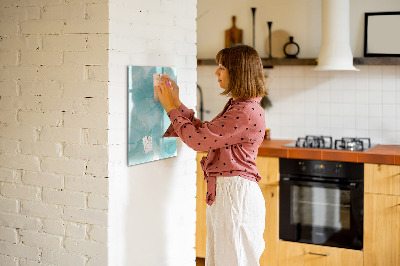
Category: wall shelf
[269,63]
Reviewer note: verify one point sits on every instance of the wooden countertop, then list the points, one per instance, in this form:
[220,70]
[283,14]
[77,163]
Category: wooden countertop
[380,154]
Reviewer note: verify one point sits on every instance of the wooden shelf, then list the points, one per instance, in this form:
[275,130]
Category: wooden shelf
[269,63]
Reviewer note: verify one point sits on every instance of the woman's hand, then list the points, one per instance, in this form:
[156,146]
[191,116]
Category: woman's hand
[165,96]
[175,91]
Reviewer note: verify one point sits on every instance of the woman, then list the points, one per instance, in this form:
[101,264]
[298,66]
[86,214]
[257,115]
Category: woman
[236,211]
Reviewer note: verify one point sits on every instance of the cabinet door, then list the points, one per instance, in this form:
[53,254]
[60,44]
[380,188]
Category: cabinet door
[381,230]
[299,254]
[382,179]
[271,232]
[268,168]
[201,205]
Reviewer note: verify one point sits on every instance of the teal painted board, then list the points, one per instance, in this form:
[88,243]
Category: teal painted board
[147,119]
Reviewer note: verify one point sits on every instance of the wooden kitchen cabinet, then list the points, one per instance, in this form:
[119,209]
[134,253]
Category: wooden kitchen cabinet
[382,215]
[382,179]
[300,254]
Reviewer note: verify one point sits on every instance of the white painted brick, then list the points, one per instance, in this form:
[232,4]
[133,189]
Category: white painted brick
[85,121]
[96,105]
[39,2]
[28,73]
[39,88]
[8,205]
[8,261]
[64,197]
[8,29]
[85,215]
[35,239]
[61,104]
[40,209]
[41,27]
[40,118]
[98,42]
[185,48]
[20,221]
[20,251]
[87,152]
[97,169]
[8,117]
[61,134]
[63,166]
[22,43]
[7,175]
[19,191]
[48,58]
[95,136]
[54,227]
[8,88]
[85,247]
[76,230]
[86,26]
[17,13]
[98,73]
[98,233]
[86,89]
[191,61]
[20,161]
[8,146]
[98,261]
[26,262]
[90,57]
[61,73]
[18,132]
[41,148]
[43,179]
[64,42]
[97,202]
[69,12]
[62,258]
[9,58]
[87,184]
[8,234]
[97,11]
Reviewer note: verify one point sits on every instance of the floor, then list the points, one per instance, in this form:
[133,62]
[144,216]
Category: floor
[200,262]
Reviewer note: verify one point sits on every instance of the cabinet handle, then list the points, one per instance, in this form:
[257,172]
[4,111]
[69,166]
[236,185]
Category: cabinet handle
[318,254]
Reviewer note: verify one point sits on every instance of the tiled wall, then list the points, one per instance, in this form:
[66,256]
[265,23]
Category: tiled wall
[337,103]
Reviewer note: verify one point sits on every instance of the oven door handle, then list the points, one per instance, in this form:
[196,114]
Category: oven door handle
[319,182]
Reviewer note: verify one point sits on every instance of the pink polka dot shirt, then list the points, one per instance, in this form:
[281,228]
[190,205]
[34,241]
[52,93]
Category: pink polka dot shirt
[232,139]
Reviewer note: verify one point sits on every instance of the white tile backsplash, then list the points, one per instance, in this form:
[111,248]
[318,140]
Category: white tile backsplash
[363,103]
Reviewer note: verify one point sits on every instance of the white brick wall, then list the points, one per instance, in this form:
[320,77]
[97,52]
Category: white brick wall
[53,135]
[152,205]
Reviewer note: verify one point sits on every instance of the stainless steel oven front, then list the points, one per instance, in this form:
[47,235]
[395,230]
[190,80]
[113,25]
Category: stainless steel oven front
[321,202]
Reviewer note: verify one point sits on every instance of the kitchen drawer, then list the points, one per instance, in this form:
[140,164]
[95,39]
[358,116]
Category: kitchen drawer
[299,254]
[382,179]
[268,167]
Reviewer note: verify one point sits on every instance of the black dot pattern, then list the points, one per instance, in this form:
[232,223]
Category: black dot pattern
[232,139]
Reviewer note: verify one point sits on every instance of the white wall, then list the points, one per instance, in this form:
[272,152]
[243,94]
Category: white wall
[152,205]
[53,133]
[337,103]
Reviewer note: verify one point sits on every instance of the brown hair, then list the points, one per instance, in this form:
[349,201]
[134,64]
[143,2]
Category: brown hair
[245,69]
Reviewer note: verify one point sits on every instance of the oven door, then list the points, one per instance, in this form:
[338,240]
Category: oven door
[321,212]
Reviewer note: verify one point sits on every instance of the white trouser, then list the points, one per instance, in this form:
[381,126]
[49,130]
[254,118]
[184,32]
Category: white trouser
[235,223]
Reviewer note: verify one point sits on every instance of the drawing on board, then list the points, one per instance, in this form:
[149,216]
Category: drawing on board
[147,120]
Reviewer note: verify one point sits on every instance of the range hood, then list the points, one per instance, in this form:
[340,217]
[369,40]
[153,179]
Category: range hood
[335,52]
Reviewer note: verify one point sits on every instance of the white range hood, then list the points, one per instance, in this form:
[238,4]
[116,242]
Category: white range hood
[335,52]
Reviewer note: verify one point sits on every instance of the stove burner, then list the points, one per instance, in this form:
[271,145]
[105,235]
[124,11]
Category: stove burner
[353,144]
[324,142]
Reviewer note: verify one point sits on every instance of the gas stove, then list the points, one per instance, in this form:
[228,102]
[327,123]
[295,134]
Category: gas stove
[326,142]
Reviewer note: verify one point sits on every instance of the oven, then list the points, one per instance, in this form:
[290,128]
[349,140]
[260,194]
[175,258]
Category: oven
[321,202]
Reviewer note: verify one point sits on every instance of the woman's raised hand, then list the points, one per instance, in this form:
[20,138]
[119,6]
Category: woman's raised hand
[175,91]
[165,96]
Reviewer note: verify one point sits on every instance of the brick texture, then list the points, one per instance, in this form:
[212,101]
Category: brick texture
[53,138]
